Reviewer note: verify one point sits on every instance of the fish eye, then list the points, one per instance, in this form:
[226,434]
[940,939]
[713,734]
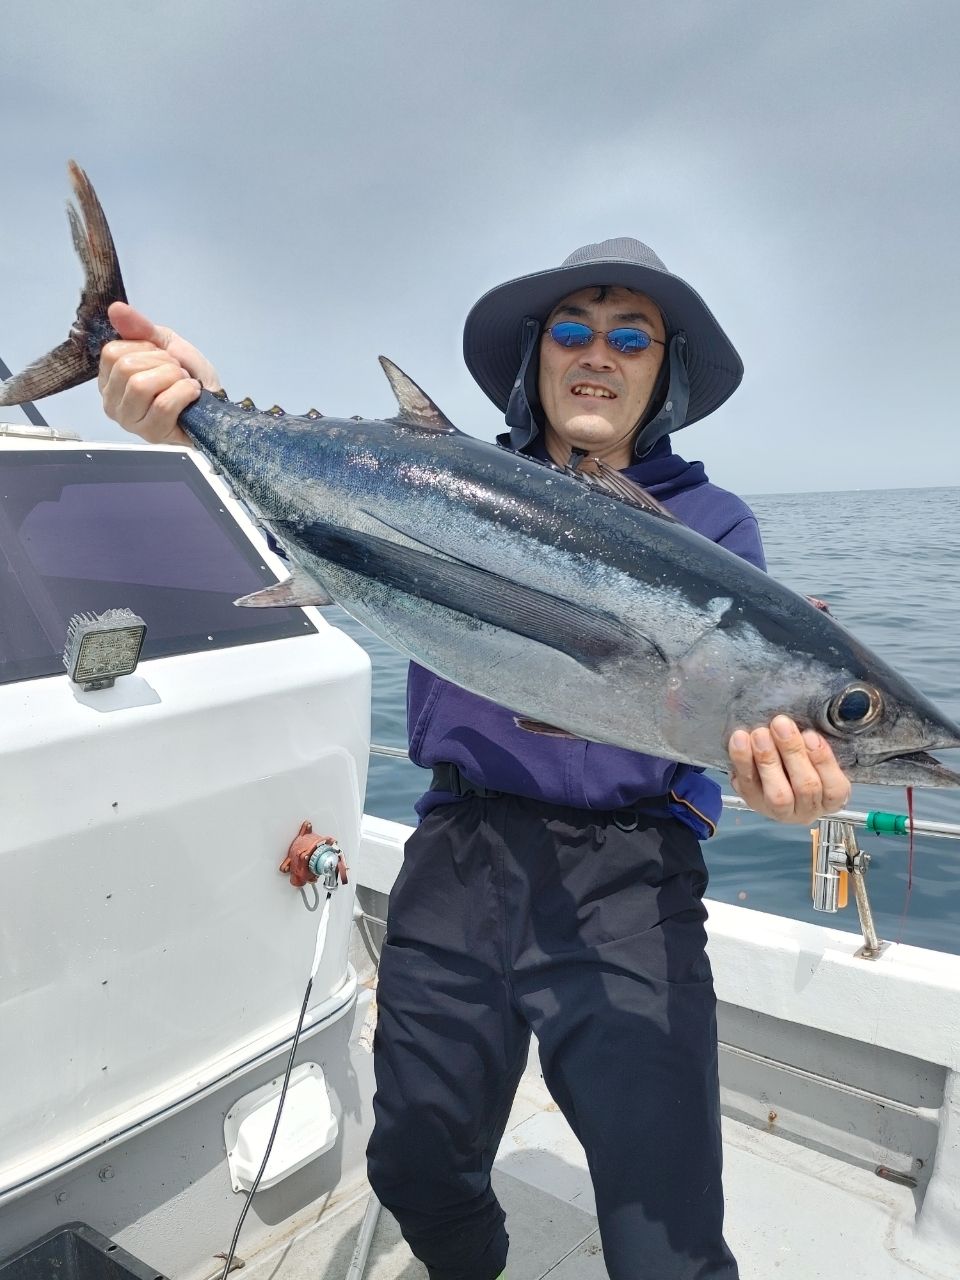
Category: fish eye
[856,708]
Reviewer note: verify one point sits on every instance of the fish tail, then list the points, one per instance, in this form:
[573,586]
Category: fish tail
[77,359]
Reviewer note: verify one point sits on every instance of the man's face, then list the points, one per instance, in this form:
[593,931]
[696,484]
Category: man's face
[593,397]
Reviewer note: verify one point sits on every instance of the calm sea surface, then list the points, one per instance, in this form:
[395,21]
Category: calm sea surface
[888,562]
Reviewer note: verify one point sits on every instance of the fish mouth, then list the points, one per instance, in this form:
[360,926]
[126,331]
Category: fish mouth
[911,769]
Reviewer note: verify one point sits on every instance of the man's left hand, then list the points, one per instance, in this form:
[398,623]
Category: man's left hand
[785,774]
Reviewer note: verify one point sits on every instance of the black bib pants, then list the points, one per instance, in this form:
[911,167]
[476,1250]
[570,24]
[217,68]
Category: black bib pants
[511,916]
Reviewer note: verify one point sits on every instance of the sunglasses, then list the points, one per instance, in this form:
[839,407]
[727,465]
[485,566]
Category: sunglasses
[571,333]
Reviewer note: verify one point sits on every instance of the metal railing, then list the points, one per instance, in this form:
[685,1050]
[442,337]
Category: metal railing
[875,820]
[397,753]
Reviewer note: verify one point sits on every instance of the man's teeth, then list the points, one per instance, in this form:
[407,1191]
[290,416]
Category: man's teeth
[601,392]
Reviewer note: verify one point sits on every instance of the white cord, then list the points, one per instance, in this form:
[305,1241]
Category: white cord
[321,937]
[317,955]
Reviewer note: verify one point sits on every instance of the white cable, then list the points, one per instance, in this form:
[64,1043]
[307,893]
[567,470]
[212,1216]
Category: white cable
[321,937]
[317,956]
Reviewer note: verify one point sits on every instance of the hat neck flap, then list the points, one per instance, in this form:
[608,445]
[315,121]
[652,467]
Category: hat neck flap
[673,412]
[520,415]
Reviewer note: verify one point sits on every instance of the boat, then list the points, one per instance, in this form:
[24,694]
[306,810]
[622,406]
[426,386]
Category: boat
[154,960]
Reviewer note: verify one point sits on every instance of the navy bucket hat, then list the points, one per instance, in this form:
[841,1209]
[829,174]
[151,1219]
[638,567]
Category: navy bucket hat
[498,346]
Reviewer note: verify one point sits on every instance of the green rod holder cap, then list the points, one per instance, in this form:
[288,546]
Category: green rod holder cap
[888,824]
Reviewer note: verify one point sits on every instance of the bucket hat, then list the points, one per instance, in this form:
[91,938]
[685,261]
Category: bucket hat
[494,339]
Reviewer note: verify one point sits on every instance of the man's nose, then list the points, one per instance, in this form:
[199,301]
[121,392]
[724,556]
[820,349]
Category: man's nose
[596,354]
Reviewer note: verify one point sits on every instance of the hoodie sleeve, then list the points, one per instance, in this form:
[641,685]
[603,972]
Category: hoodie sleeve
[743,539]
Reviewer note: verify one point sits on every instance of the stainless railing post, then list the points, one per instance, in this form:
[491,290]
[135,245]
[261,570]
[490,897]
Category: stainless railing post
[858,862]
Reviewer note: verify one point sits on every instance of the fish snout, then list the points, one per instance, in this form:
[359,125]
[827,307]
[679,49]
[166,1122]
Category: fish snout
[912,769]
[906,767]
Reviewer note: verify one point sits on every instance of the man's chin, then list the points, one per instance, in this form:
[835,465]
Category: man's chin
[590,431]
[592,434]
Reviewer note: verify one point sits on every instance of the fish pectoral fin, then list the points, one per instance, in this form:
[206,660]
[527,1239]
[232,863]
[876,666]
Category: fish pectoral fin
[616,485]
[547,730]
[416,407]
[590,636]
[293,592]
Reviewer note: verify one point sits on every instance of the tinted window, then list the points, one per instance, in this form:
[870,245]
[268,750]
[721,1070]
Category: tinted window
[85,531]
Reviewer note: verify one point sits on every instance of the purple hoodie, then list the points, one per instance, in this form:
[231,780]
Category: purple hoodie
[446,723]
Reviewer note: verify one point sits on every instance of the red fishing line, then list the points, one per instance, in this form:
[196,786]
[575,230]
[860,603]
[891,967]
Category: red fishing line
[906,898]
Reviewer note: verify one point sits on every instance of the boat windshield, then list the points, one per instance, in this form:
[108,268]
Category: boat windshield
[83,531]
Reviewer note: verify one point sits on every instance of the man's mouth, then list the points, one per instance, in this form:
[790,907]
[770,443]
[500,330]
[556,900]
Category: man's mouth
[590,389]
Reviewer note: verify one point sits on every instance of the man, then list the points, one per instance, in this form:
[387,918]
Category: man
[555,885]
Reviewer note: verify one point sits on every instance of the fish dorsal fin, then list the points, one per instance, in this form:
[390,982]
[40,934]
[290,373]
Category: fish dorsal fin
[620,486]
[416,407]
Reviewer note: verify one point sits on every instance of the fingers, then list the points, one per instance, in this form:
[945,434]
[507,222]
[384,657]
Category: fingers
[790,781]
[150,375]
[786,775]
[134,326]
[835,785]
[819,604]
[145,390]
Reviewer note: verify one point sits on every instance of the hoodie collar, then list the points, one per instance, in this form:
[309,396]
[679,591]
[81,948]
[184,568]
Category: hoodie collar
[661,471]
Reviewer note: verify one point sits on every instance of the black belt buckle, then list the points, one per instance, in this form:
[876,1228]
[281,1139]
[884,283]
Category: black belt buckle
[446,777]
[626,819]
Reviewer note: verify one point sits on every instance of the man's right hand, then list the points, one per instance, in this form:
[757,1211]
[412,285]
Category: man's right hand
[149,376]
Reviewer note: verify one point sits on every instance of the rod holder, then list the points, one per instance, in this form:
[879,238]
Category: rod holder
[830,869]
[836,860]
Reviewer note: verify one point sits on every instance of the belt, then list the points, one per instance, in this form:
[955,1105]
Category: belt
[447,777]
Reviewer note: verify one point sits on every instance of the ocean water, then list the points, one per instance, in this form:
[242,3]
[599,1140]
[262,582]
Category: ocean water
[888,563]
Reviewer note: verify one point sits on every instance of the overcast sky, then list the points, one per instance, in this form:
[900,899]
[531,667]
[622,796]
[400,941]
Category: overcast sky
[299,187]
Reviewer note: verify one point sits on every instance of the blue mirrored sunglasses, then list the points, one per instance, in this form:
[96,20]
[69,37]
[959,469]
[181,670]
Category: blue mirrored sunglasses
[571,333]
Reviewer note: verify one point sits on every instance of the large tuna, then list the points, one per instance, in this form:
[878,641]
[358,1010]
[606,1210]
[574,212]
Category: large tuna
[569,595]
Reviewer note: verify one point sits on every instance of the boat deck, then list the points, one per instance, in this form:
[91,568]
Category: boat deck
[776,1189]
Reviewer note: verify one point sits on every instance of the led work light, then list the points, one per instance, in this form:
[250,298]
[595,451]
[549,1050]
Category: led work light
[101,647]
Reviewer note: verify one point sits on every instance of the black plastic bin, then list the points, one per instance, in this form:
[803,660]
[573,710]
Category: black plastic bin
[75,1252]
